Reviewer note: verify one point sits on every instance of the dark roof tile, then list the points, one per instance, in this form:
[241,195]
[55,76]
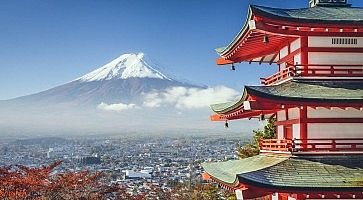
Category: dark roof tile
[311,172]
[294,90]
[318,13]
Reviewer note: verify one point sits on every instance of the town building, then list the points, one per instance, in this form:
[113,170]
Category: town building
[316,97]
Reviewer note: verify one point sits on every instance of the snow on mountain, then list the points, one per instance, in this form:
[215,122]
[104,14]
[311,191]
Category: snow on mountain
[124,67]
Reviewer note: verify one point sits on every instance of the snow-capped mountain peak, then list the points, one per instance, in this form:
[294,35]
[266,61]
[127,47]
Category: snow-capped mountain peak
[124,67]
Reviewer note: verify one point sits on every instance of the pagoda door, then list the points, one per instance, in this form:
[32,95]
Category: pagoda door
[288,132]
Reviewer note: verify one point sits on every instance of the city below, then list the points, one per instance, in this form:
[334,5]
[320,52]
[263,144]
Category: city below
[134,162]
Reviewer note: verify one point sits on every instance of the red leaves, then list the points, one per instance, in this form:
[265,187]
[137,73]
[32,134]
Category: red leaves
[21,182]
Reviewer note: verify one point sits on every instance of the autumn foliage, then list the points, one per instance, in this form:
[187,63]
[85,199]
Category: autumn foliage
[21,182]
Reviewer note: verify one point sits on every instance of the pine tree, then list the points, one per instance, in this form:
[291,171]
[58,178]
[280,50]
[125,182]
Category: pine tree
[252,148]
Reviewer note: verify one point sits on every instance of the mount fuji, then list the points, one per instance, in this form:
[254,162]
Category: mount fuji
[124,79]
[128,94]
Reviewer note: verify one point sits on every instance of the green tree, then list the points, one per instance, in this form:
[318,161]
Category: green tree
[252,148]
[247,150]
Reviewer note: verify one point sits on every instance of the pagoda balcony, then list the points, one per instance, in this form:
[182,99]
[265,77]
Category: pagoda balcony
[312,146]
[315,71]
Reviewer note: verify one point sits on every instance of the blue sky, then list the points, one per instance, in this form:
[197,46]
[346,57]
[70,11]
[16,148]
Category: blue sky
[48,43]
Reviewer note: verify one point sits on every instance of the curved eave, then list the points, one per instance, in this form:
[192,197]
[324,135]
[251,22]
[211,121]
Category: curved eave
[223,50]
[223,108]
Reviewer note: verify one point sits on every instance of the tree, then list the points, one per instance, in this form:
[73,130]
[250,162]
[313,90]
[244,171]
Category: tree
[268,132]
[252,148]
[247,150]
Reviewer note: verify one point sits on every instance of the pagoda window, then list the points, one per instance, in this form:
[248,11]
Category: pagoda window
[314,3]
[316,41]
[344,41]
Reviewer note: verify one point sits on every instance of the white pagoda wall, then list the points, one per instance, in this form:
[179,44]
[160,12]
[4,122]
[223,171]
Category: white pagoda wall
[280,116]
[324,57]
[285,51]
[293,113]
[297,59]
[295,45]
[334,130]
[334,57]
[322,130]
[320,112]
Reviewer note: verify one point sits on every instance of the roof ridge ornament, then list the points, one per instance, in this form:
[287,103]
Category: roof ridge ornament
[329,3]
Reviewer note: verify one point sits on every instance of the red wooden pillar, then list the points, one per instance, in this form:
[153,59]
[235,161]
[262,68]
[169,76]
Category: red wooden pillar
[303,125]
[304,54]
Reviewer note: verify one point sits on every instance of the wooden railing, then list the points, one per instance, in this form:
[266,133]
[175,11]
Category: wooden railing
[344,144]
[314,70]
[288,72]
[276,145]
[313,145]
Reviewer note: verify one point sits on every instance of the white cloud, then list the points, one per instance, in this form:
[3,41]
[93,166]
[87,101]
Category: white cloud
[152,100]
[189,98]
[116,107]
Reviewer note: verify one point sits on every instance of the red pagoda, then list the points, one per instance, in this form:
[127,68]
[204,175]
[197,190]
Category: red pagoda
[316,97]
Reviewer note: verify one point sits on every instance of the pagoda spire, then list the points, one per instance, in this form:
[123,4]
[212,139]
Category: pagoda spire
[330,3]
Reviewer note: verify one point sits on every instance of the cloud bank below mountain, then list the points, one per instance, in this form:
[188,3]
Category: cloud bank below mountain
[181,98]
[119,107]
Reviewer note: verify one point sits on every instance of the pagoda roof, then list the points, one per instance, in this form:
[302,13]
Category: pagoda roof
[331,14]
[285,25]
[290,172]
[298,92]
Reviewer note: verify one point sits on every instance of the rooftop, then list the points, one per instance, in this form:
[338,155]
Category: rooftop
[341,14]
[302,173]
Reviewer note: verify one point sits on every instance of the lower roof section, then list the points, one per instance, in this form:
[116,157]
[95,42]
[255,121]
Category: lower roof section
[317,172]
[329,173]
[298,92]
[327,91]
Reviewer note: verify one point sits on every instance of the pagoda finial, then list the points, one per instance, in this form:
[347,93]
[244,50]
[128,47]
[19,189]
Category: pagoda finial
[330,3]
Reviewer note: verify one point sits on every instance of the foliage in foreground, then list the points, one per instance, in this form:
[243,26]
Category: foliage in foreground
[252,148]
[21,182]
